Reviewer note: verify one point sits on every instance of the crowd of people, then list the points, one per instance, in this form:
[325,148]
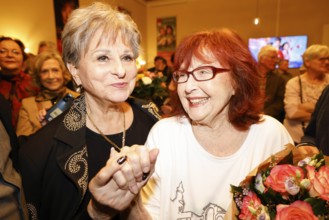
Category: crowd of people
[113,156]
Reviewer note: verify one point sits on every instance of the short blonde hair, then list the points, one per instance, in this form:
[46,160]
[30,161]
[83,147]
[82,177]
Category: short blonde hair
[83,23]
[44,56]
[315,51]
[265,50]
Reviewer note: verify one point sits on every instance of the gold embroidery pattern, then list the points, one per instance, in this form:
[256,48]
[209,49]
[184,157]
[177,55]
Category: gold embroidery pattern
[76,117]
[33,214]
[153,109]
[77,164]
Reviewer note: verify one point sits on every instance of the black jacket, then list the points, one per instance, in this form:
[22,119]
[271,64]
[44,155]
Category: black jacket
[317,131]
[275,89]
[54,162]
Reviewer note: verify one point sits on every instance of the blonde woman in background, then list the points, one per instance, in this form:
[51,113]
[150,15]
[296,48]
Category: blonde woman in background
[52,76]
[303,91]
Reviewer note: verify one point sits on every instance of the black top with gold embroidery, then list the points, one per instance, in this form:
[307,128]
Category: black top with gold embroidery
[58,161]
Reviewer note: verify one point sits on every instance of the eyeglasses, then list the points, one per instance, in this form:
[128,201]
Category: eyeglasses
[202,73]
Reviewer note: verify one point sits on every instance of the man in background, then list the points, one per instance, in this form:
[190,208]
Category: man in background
[271,85]
[160,65]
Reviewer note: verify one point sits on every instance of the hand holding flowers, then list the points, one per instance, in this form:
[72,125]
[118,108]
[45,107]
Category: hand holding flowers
[286,188]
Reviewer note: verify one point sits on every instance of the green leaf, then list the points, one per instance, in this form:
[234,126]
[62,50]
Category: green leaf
[318,205]
[236,189]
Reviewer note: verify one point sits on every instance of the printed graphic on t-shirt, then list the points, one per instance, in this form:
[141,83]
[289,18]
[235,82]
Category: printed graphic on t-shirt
[210,211]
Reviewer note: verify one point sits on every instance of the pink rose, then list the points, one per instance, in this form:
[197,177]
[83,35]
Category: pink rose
[283,176]
[296,210]
[319,182]
[250,204]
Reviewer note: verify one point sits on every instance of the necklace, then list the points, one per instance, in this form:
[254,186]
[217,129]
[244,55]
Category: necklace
[106,138]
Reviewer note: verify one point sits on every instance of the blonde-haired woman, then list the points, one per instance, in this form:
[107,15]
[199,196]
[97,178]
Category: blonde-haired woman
[303,91]
[51,75]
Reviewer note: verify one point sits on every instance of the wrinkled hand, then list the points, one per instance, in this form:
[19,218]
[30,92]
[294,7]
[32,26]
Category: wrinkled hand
[116,185]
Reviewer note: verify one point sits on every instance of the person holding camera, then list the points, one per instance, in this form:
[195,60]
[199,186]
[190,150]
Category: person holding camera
[51,75]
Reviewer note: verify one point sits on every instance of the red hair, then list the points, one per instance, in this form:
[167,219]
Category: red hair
[232,52]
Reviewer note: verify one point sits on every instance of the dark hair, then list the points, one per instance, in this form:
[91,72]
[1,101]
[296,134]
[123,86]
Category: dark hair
[160,58]
[170,27]
[282,45]
[18,42]
[232,52]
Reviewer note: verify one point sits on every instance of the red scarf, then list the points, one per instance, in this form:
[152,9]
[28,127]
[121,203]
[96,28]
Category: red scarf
[14,89]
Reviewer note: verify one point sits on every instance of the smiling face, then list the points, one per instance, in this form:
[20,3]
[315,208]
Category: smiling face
[107,71]
[51,75]
[11,57]
[206,101]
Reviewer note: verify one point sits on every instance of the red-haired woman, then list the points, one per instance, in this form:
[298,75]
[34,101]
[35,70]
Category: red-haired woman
[218,137]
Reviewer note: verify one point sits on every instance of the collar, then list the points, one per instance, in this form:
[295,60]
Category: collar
[72,129]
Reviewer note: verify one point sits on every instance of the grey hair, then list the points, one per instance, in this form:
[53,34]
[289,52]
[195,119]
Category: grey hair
[265,50]
[83,24]
[315,51]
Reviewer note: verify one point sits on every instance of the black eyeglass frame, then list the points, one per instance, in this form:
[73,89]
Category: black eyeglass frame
[215,71]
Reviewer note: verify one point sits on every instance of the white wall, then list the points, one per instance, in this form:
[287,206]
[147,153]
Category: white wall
[34,20]
[31,21]
[296,17]
[325,36]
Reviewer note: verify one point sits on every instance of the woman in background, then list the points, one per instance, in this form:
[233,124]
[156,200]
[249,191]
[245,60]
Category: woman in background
[303,91]
[14,83]
[51,75]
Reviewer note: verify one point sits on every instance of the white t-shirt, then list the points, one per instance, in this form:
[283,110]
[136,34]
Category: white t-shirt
[189,182]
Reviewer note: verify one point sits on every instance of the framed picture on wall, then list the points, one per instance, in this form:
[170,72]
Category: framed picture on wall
[166,34]
[63,8]
[166,37]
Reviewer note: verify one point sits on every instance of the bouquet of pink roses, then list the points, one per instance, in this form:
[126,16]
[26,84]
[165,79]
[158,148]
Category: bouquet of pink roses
[292,184]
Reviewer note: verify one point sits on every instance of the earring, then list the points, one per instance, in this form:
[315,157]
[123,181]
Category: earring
[79,88]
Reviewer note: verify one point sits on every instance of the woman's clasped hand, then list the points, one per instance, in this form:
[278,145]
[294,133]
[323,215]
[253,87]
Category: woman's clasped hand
[118,183]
